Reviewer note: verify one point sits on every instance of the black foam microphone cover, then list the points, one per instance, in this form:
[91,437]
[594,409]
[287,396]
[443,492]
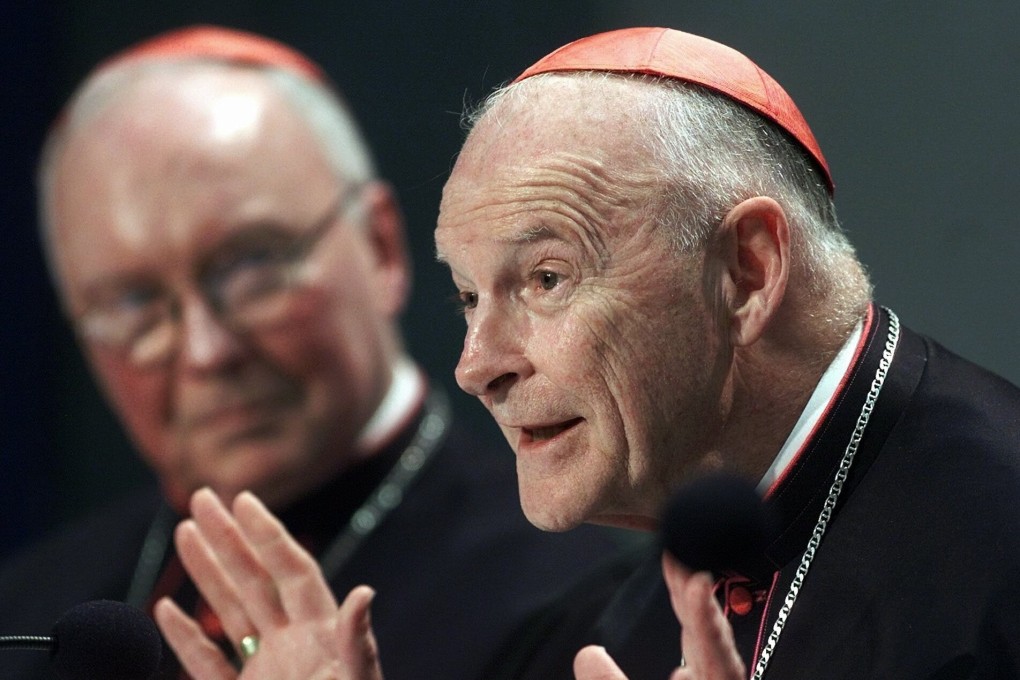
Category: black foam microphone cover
[108,640]
[719,523]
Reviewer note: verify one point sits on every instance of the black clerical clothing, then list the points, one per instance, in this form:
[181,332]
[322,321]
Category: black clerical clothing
[917,575]
[455,564]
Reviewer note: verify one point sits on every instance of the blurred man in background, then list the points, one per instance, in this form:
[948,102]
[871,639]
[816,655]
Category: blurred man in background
[235,270]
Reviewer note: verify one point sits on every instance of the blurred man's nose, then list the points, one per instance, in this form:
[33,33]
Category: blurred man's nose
[206,343]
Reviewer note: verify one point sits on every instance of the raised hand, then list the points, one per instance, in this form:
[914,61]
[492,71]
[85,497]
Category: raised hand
[706,637]
[269,591]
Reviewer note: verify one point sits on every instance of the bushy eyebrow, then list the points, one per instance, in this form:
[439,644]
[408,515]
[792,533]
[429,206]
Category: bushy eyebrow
[542,232]
[533,234]
[539,232]
[536,234]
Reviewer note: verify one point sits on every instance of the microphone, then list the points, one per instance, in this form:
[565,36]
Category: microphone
[98,639]
[718,523]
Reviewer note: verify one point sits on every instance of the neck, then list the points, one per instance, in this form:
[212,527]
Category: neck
[771,382]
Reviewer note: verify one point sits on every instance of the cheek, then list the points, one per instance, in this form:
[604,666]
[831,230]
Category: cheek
[593,356]
[627,364]
[141,401]
[316,335]
[335,312]
[329,354]
[575,346]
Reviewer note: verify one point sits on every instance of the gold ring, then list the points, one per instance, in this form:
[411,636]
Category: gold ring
[248,646]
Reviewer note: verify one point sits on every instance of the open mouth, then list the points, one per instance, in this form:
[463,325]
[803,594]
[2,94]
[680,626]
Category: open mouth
[545,433]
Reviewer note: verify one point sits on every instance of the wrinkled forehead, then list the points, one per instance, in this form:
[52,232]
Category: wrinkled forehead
[582,111]
[143,125]
[563,154]
[591,124]
[179,146]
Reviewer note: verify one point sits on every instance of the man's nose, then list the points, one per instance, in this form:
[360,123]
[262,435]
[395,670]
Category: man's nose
[493,357]
[206,342]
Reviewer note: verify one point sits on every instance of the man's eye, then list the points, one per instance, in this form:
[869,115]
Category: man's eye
[125,315]
[130,306]
[548,280]
[252,258]
[247,276]
[467,300]
[132,300]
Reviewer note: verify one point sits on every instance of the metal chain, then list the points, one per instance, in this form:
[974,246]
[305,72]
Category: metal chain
[830,502]
[432,431]
[387,496]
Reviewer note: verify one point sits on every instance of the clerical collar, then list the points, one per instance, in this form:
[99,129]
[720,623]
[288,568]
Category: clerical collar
[817,406]
[407,388]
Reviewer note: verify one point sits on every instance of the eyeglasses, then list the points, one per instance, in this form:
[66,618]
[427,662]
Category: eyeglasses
[250,283]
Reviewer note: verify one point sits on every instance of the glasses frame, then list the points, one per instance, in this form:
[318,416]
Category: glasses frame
[158,340]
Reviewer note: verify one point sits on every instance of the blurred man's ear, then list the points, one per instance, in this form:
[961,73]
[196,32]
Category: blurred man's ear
[385,223]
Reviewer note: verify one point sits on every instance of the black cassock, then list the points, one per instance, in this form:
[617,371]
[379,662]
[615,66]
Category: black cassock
[917,575]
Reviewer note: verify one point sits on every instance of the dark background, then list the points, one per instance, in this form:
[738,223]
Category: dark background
[914,105]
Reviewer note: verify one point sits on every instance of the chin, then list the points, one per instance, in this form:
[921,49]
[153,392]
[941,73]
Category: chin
[548,514]
[260,474]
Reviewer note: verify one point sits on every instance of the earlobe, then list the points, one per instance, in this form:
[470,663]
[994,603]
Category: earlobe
[755,238]
[385,224]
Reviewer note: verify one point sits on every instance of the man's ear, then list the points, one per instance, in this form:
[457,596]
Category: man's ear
[392,265]
[754,251]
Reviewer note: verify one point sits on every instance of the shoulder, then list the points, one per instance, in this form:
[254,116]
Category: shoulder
[956,409]
[953,385]
[955,450]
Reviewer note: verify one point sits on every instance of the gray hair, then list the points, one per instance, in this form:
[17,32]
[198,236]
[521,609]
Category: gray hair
[713,153]
[320,106]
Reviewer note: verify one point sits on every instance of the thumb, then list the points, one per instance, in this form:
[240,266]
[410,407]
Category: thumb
[359,651]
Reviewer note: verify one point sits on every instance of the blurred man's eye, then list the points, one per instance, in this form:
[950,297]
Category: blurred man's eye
[132,300]
[250,273]
[122,316]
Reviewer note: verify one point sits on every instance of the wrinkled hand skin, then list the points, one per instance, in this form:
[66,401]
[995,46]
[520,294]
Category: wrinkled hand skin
[259,581]
[710,652]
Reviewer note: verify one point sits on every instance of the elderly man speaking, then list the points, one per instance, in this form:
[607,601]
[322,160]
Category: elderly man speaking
[655,287]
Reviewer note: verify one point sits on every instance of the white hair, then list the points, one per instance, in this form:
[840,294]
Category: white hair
[712,153]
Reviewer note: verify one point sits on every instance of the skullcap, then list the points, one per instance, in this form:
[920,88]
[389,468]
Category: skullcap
[226,44]
[690,58]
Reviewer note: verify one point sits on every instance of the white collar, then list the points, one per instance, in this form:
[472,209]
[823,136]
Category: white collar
[826,389]
[407,387]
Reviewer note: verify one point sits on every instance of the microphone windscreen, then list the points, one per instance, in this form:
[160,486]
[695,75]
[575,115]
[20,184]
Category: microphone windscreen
[108,640]
[719,523]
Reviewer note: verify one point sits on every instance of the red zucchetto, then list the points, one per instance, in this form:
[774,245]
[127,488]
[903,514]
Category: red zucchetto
[674,54]
[220,43]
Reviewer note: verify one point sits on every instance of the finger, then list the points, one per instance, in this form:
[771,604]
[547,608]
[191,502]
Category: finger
[677,578]
[594,663]
[212,580]
[707,637]
[199,656]
[303,590]
[223,536]
[359,651]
